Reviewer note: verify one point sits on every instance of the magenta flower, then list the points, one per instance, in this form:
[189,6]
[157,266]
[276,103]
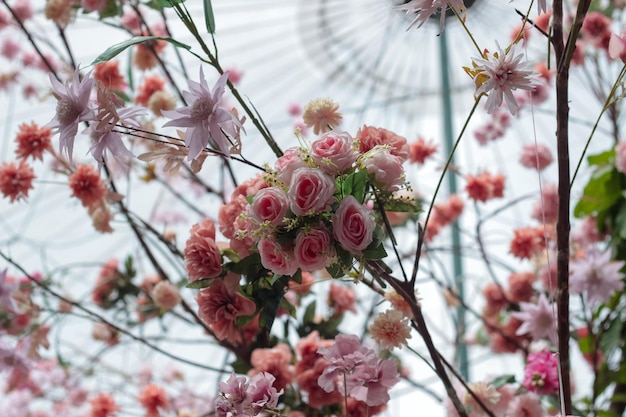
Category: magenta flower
[205,120]
[72,108]
[541,373]
[539,320]
[498,74]
[596,276]
[426,8]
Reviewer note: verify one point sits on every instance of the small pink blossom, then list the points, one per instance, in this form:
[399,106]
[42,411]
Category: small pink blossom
[369,137]
[334,152]
[546,209]
[166,295]
[276,361]
[541,373]
[288,163]
[420,150]
[391,329]
[353,225]
[620,156]
[311,191]
[16,180]
[537,156]
[341,299]
[526,405]
[617,46]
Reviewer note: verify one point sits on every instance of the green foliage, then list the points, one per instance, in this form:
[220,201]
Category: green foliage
[502,380]
[355,184]
[117,49]
[600,194]
[209,18]
[200,284]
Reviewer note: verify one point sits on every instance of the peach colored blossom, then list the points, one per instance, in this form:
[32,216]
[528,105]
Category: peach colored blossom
[390,329]
[202,255]
[341,299]
[276,361]
[527,242]
[420,151]
[322,115]
[153,398]
[521,286]
[151,84]
[399,303]
[108,73]
[166,295]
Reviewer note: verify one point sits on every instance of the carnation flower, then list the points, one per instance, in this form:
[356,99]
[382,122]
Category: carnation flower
[420,150]
[72,109]
[498,74]
[390,329]
[541,373]
[153,398]
[536,156]
[322,115]
[205,121]
[103,405]
[108,73]
[87,185]
[16,180]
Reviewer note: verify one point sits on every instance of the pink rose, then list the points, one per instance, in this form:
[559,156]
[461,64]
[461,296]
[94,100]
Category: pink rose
[311,191]
[313,249]
[228,215]
[288,163]
[334,152]
[276,257]
[270,205]
[353,225]
[386,168]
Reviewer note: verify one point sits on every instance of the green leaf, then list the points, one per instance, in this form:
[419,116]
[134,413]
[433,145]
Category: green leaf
[355,185]
[240,366]
[199,284]
[612,337]
[209,18]
[502,380]
[115,50]
[403,205]
[620,221]
[378,252]
[159,4]
[109,10]
[309,313]
[603,158]
[600,193]
[335,270]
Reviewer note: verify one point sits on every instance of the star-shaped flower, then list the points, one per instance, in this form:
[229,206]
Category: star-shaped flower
[596,276]
[539,320]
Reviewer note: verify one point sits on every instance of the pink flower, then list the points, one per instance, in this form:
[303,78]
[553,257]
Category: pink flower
[262,392]
[541,373]
[288,163]
[72,109]
[620,156]
[617,47]
[87,185]
[220,304]
[33,141]
[596,28]
[526,405]
[536,156]
[369,137]
[499,74]
[539,320]
[353,225]
[6,290]
[386,169]
[311,191]
[205,120]
[276,361]
[313,248]
[391,329]
[270,206]
[166,295]
[239,397]
[424,9]
[521,286]
[341,299]
[334,152]
[322,115]
[527,242]
[277,257]
[16,180]
[596,276]
[546,210]
[202,257]
[153,398]
[420,150]
[103,405]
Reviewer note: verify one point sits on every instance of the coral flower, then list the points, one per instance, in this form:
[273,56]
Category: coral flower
[205,120]
[153,397]
[32,141]
[72,108]
[108,73]
[87,185]
[103,406]
[16,180]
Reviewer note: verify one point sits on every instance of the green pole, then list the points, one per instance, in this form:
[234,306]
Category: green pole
[457,264]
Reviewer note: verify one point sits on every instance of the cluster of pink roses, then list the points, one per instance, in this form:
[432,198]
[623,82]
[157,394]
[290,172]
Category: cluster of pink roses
[314,212]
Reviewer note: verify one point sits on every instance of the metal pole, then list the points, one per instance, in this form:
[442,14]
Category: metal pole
[457,264]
